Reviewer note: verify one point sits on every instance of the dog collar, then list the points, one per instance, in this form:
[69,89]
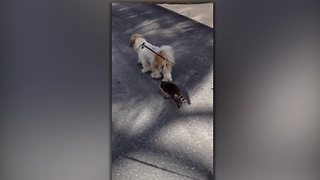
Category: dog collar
[142,45]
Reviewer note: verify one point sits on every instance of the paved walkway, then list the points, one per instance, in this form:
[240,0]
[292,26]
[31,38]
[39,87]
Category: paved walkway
[202,13]
[151,138]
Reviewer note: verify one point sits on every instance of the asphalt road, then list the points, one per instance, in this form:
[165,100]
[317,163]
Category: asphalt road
[151,138]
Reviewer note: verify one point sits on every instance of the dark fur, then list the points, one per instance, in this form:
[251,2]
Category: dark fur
[172,91]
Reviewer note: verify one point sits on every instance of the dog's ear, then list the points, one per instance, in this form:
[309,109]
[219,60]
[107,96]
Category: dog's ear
[132,41]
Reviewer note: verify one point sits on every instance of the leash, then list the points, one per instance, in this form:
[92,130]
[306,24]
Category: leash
[143,45]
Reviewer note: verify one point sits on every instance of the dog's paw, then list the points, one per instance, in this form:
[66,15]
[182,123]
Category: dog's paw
[155,75]
[158,76]
[145,70]
[167,79]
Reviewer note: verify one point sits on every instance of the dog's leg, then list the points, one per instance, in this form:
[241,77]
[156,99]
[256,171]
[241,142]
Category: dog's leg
[155,74]
[139,59]
[146,66]
[156,67]
[167,74]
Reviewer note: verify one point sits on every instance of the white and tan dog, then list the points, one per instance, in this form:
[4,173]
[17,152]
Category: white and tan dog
[150,61]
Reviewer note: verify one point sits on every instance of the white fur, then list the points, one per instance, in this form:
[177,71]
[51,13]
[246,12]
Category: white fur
[146,58]
[169,54]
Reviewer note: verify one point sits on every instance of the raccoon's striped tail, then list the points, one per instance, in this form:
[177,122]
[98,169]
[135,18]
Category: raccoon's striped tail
[182,99]
[179,99]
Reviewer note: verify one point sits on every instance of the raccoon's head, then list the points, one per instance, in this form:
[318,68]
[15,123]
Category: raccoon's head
[165,84]
[162,84]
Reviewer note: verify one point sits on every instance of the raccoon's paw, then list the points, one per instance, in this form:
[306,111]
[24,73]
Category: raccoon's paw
[167,98]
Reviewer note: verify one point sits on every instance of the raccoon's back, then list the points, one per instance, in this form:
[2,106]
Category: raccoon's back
[170,88]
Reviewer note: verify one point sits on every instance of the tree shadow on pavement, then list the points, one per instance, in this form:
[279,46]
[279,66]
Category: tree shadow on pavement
[140,116]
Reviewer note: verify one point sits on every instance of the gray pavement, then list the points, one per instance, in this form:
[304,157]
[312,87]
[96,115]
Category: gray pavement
[151,138]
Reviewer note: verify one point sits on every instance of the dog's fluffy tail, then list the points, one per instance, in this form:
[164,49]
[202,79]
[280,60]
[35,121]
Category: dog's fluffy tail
[168,53]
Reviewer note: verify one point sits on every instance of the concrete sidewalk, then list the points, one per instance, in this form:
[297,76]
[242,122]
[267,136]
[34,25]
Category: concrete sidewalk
[202,13]
[151,138]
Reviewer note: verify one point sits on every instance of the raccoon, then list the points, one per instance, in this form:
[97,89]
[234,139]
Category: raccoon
[172,91]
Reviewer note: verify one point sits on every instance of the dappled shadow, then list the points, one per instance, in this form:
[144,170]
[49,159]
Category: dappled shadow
[153,140]
[139,112]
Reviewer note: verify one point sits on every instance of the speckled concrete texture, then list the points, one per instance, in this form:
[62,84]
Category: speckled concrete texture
[151,138]
[202,13]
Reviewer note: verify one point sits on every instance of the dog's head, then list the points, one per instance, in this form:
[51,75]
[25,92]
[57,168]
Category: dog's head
[133,39]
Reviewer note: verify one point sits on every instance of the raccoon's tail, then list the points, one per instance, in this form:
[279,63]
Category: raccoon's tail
[182,99]
[179,99]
